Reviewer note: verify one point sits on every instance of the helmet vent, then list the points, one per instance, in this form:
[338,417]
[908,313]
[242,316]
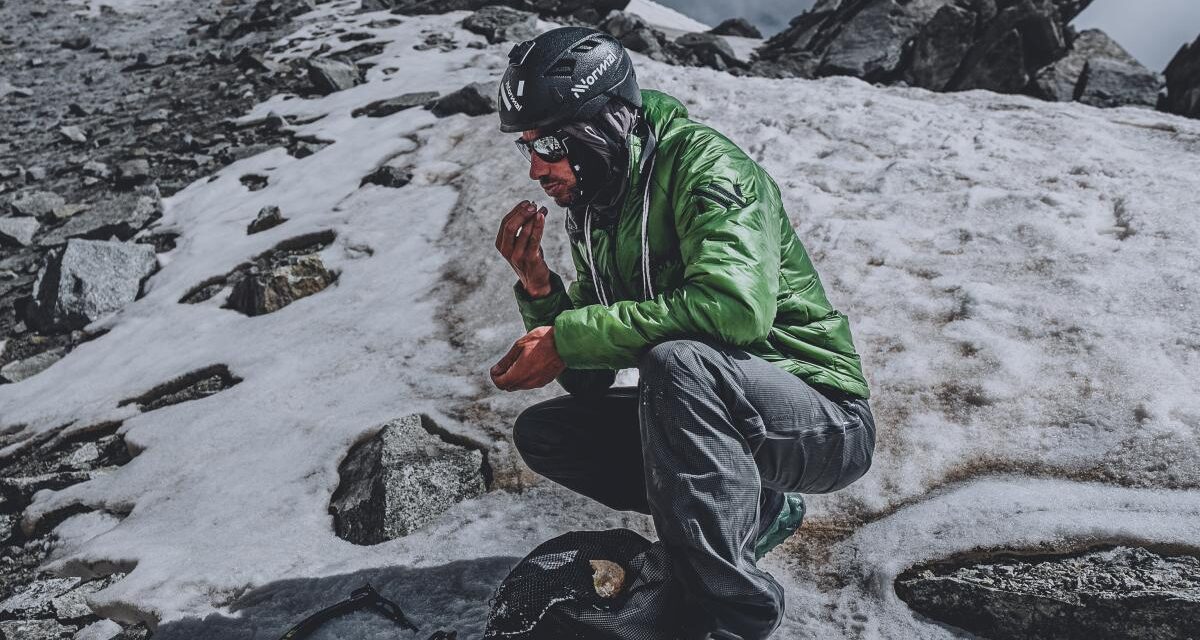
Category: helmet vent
[585,46]
[565,67]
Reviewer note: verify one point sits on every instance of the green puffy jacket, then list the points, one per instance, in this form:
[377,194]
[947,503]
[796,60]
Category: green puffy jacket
[725,262]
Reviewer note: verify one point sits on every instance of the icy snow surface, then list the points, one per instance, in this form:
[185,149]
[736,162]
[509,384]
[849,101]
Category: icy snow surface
[1020,278]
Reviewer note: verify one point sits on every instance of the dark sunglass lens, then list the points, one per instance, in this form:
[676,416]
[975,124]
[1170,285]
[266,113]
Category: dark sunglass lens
[549,148]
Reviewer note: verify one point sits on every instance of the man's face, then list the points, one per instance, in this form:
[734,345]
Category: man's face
[557,178]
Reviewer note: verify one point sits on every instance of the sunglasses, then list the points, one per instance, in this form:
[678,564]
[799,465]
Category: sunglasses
[550,147]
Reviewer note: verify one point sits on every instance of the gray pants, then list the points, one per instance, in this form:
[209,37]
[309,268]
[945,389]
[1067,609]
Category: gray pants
[716,436]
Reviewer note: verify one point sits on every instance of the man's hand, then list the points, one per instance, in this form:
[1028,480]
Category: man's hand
[524,252]
[532,362]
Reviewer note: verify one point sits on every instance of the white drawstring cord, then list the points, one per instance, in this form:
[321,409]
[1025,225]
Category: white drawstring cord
[587,234]
[647,286]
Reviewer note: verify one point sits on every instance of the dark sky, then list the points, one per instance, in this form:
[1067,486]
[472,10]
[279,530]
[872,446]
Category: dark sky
[1152,30]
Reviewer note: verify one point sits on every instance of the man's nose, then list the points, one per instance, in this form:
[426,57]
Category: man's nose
[538,167]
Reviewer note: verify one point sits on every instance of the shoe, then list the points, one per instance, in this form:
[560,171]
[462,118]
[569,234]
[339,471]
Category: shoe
[790,516]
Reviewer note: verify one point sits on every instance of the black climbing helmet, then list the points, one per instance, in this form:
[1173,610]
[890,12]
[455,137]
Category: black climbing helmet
[564,74]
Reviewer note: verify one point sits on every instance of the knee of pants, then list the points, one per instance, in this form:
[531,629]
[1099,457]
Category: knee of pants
[659,360]
[528,435]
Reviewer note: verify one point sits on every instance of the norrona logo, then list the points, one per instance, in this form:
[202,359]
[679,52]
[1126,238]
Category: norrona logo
[510,101]
[580,87]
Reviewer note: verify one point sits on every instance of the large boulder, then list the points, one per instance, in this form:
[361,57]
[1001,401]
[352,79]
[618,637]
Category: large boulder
[404,477]
[1112,83]
[943,45]
[542,7]
[85,280]
[271,286]
[499,23]
[475,99]
[1102,595]
[1183,81]
[740,27]
[1057,81]
[17,232]
[328,75]
[120,216]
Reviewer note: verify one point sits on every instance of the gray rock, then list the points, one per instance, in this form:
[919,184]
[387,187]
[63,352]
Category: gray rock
[192,385]
[710,49]
[99,630]
[19,370]
[943,45]
[264,291]
[1057,81]
[1111,83]
[402,479]
[740,27]
[499,24]
[382,108]
[634,33]
[35,630]
[86,280]
[475,99]
[1183,81]
[35,599]
[97,170]
[71,606]
[77,42]
[133,172]
[1127,593]
[83,457]
[73,133]
[18,231]
[122,216]
[267,218]
[387,176]
[39,204]
[20,490]
[328,75]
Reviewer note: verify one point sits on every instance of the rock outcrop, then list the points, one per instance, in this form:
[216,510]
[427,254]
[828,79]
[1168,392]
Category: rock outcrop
[87,279]
[403,478]
[1007,46]
[740,27]
[1183,81]
[1127,593]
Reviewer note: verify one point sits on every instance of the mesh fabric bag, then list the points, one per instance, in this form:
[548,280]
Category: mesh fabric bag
[550,594]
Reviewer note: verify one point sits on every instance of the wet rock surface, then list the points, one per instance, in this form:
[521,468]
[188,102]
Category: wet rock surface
[403,478]
[1123,592]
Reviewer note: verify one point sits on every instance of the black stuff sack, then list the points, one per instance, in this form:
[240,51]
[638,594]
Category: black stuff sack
[588,585]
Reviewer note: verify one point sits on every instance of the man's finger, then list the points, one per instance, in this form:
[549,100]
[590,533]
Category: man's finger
[509,231]
[539,223]
[528,240]
[506,361]
[521,206]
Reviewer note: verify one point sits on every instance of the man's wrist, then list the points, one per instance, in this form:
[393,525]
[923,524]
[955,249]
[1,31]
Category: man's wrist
[539,290]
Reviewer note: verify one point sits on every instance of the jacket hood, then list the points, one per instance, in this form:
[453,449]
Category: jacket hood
[660,110]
